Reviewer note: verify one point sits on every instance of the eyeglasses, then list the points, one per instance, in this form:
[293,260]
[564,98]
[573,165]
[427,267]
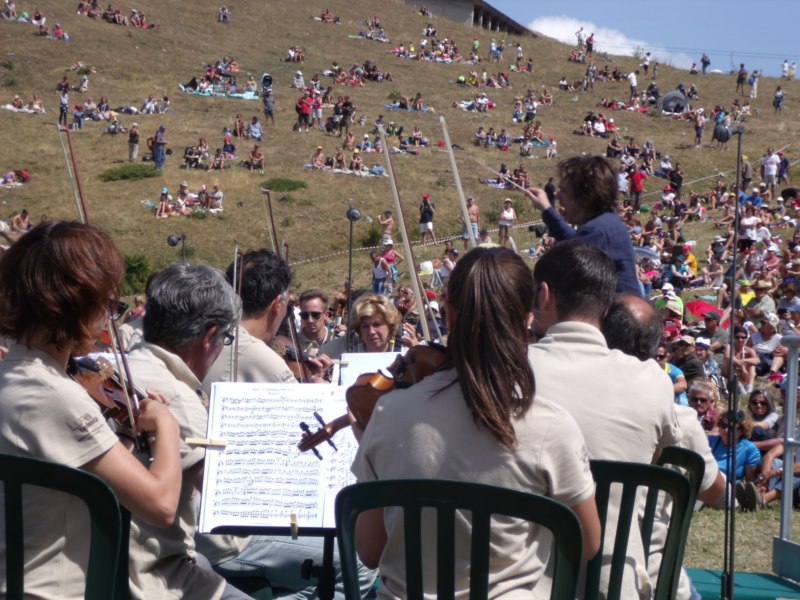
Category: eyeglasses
[305,314]
[228,338]
[116,308]
[723,426]
[699,399]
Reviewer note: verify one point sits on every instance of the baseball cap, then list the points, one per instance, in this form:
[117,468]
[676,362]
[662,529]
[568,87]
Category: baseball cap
[703,342]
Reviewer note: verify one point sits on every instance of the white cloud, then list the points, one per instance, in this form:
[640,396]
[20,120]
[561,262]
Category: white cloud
[611,41]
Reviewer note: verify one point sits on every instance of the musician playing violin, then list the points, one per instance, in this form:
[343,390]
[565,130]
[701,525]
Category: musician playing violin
[190,314]
[476,419]
[264,291]
[313,316]
[374,320]
[265,298]
[59,285]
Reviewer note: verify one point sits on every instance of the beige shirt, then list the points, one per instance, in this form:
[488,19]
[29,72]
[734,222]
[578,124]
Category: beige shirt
[162,560]
[257,363]
[623,406]
[45,414]
[338,346]
[428,431]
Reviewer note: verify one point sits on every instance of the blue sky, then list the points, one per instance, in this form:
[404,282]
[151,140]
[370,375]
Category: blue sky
[678,31]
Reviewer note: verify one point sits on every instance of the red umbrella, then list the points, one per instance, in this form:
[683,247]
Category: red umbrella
[699,307]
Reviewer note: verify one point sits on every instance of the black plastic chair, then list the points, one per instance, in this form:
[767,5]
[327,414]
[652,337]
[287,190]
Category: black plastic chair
[446,497]
[103,578]
[631,477]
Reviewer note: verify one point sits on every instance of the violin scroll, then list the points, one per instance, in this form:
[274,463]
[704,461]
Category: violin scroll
[363,395]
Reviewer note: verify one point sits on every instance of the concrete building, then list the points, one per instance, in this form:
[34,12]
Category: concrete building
[473,12]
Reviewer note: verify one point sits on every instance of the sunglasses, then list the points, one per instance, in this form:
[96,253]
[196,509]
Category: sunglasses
[228,338]
[661,356]
[699,399]
[758,402]
[305,314]
[116,308]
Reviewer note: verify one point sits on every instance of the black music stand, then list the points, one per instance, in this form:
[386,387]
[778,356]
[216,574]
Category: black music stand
[325,573]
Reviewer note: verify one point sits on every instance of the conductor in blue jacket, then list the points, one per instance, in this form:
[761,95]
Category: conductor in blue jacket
[587,193]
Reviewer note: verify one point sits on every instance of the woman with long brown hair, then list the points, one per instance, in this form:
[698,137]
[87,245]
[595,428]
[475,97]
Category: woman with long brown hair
[476,419]
[59,285]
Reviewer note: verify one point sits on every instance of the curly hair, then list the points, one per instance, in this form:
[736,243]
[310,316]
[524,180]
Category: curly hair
[370,305]
[593,181]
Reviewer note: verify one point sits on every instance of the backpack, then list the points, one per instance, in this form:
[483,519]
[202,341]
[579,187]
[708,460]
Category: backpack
[23,175]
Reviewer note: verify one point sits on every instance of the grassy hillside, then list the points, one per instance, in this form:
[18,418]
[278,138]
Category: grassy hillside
[133,63]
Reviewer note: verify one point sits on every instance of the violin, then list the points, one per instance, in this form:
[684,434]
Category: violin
[299,362]
[363,395]
[103,384]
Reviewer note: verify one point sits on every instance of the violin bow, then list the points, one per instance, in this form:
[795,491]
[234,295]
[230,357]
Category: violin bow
[459,190]
[401,219]
[238,276]
[273,234]
[284,250]
[117,346]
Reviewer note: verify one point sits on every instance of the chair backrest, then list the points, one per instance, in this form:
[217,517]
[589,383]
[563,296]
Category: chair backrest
[446,497]
[631,477]
[692,465]
[104,514]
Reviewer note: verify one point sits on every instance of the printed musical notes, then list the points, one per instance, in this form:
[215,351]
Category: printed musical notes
[260,478]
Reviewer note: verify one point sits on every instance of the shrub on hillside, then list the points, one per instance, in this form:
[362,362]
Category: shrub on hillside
[283,184]
[373,236]
[129,172]
[137,272]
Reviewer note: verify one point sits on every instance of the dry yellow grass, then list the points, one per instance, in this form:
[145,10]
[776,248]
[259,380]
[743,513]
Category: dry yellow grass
[132,63]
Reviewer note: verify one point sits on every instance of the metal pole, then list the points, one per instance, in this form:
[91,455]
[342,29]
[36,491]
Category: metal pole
[732,416]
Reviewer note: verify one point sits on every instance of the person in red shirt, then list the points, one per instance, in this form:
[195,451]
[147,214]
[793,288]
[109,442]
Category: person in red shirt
[637,178]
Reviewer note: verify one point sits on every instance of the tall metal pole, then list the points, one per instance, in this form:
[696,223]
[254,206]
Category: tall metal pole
[733,415]
[353,215]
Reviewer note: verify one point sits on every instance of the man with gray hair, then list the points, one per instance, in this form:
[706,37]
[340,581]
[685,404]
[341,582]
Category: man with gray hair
[632,326]
[191,314]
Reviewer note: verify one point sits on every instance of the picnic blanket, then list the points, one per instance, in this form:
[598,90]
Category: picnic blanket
[23,110]
[209,93]
[396,107]
[346,171]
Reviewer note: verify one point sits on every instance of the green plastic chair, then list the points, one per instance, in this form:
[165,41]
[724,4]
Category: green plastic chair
[103,579]
[633,476]
[412,495]
[692,465]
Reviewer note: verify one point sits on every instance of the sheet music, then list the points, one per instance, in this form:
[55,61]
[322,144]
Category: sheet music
[358,363]
[260,478]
